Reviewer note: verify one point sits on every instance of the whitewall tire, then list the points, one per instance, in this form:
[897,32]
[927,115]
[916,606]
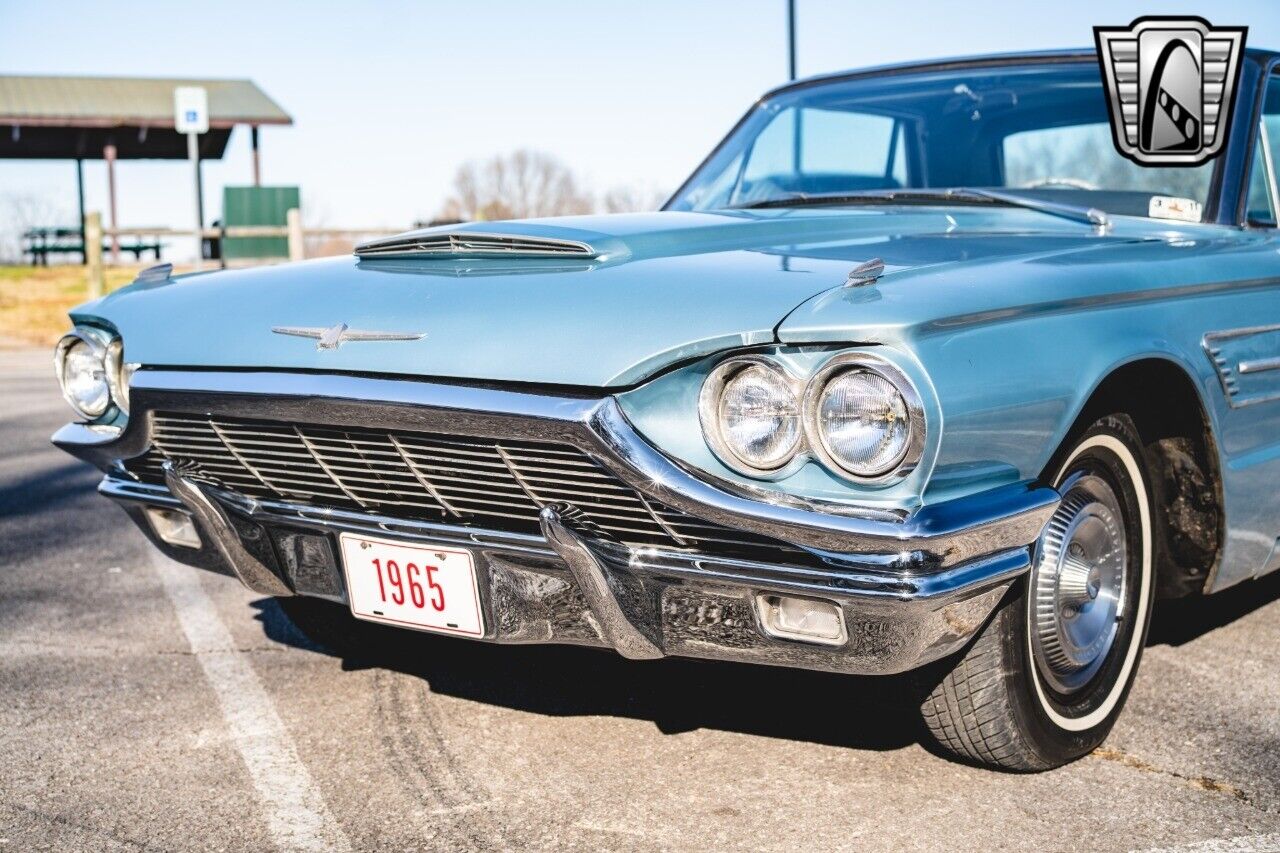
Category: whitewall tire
[1045,680]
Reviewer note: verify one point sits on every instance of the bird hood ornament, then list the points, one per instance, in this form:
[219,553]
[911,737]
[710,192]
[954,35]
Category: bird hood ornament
[335,336]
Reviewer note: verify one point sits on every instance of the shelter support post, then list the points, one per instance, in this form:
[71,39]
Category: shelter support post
[257,163]
[109,154]
[93,254]
[193,154]
[84,250]
[293,225]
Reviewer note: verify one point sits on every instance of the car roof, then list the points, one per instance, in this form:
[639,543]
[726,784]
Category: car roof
[1080,54]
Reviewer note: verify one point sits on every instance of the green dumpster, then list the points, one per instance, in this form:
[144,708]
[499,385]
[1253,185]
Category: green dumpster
[256,206]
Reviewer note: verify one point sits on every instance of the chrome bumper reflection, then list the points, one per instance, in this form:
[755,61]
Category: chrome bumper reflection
[579,587]
[911,587]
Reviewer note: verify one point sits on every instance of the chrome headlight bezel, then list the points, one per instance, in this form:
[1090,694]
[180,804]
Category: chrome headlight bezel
[119,373]
[812,444]
[838,365]
[98,351]
[709,400]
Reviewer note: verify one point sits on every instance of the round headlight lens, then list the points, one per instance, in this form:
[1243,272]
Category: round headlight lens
[759,418]
[864,422]
[83,377]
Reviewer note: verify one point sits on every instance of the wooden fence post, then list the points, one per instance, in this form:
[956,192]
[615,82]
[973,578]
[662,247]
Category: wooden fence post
[293,220]
[93,254]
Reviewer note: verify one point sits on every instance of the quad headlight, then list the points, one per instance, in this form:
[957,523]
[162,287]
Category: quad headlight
[750,414]
[859,415]
[91,373]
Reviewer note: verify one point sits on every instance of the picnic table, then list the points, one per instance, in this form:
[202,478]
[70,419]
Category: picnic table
[40,243]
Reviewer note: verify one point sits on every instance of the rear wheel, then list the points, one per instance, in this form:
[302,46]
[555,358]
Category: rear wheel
[1045,680]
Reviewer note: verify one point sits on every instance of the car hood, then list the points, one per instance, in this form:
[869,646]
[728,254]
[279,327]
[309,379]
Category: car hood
[663,288]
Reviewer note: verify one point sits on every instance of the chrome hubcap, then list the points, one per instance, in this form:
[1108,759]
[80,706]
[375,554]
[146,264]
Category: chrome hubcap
[1078,584]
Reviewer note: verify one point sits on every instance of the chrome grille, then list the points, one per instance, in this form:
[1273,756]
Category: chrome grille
[490,483]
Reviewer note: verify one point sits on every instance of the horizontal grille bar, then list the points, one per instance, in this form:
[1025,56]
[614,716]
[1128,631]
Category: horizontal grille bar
[489,483]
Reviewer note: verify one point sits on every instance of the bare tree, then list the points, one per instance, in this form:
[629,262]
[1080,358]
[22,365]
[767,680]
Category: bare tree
[521,184]
[627,199]
[22,212]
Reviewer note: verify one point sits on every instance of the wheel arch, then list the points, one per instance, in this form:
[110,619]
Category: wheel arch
[1175,424]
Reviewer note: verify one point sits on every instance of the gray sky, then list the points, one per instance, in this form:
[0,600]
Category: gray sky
[389,98]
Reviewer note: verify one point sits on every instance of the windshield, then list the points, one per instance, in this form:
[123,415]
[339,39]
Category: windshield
[1041,130]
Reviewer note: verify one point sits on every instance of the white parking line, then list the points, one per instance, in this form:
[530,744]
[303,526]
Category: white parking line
[1240,844]
[296,814]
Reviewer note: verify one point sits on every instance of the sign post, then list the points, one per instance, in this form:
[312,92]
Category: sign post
[191,116]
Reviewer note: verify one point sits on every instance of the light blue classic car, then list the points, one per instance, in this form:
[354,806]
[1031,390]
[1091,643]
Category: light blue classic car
[915,372]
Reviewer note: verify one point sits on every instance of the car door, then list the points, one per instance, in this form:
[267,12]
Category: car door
[1246,356]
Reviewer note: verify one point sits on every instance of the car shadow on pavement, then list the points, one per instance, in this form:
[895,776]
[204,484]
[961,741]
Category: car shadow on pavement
[1182,620]
[676,694]
[680,694]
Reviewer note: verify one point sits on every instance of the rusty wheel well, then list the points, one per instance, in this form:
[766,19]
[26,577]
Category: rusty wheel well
[1182,460]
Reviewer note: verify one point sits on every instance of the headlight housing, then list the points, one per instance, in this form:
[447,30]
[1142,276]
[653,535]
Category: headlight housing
[859,415]
[750,413]
[864,418]
[118,374]
[79,362]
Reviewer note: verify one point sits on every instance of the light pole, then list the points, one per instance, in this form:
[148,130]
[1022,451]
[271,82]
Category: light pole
[791,39]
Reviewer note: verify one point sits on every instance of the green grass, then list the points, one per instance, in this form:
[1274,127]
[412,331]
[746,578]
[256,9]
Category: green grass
[34,300]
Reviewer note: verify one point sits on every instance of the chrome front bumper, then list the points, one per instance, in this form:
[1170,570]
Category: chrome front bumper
[911,587]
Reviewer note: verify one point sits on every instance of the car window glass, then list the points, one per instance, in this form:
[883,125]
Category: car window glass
[1262,195]
[1083,156]
[1039,129]
[846,143]
[716,193]
[774,150]
[816,151]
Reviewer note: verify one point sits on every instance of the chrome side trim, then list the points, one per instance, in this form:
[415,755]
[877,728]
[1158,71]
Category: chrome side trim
[931,538]
[1093,303]
[1224,349]
[1258,365]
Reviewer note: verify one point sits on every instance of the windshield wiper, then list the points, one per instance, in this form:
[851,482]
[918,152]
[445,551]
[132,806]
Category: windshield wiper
[972,195]
[1088,215]
[865,197]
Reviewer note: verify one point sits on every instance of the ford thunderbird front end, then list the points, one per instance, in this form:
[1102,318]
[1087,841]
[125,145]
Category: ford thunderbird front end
[931,397]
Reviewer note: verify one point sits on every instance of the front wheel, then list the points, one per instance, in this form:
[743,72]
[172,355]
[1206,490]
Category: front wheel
[1045,680]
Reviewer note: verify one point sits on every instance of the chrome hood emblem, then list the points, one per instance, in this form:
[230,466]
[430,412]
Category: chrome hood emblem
[335,336]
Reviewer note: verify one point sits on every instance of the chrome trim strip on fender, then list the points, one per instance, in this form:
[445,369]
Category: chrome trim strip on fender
[1259,365]
[1224,349]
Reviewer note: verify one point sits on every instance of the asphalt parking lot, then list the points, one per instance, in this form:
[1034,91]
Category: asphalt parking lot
[144,705]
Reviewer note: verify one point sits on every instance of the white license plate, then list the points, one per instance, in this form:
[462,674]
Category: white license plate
[425,587]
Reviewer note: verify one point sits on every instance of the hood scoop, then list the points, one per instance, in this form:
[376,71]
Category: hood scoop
[470,244]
